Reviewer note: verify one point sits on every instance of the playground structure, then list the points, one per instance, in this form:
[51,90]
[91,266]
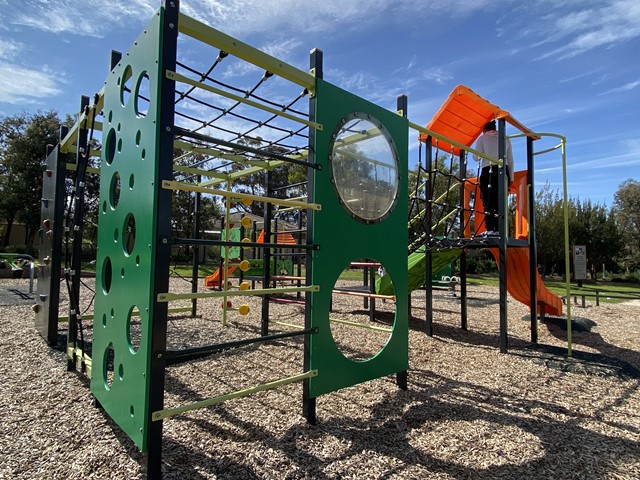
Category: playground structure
[145,113]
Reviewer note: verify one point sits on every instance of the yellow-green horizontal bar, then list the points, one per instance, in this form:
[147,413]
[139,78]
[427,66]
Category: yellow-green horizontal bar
[135,313]
[214,152]
[362,325]
[172,185]
[288,325]
[72,134]
[80,357]
[211,36]
[169,412]
[73,167]
[169,297]
[198,171]
[181,78]
[466,148]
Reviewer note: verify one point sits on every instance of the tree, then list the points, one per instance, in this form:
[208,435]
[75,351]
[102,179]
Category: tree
[23,142]
[627,211]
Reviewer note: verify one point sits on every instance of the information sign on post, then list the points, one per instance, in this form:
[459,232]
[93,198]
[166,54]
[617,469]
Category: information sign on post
[580,263]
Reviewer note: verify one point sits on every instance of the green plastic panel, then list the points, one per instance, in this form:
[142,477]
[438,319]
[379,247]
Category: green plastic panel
[344,239]
[126,235]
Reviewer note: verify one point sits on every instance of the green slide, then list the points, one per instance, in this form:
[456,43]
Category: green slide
[417,269]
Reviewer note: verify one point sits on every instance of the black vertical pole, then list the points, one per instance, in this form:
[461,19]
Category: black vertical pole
[365,282]
[401,377]
[195,259]
[463,255]
[309,402]
[428,259]
[75,232]
[372,282]
[533,255]
[266,256]
[299,257]
[165,103]
[502,229]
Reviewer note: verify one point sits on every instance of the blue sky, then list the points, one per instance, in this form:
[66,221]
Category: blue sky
[568,67]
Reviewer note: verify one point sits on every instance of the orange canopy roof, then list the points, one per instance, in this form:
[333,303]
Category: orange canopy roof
[462,116]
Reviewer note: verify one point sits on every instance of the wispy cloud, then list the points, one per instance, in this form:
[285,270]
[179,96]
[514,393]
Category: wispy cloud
[579,27]
[9,49]
[623,88]
[20,85]
[80,17]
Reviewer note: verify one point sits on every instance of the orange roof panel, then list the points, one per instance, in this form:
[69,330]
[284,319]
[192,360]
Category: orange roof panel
[461,118]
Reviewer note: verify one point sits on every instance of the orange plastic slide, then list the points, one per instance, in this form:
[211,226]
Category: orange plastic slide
[213,280]
[518,281]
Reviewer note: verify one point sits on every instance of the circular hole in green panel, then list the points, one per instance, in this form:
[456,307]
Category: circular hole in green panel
[129,240]
[355,335]
[110,116]
[134,328]
[364,168]
[137,260]
[131,410]
[115,235]
[142,95]
[110,146]
[138,136]
[122,272]
[125,86]
[112,313]
[118,128]
[119,145]
[121,371]
[132,181]
[104,207]
[107,366]
[114,190]
[107,276]
[143,154]
[104,320]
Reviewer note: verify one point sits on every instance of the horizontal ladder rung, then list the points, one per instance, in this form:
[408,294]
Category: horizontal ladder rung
[171,185]
[169,412]
[168,297]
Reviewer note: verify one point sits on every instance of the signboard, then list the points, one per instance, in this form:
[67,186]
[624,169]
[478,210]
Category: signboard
[580,262]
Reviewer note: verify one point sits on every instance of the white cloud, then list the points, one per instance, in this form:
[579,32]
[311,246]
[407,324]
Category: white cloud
[9,49]
[623,88]
[583,26]
[20,85]
[80,17]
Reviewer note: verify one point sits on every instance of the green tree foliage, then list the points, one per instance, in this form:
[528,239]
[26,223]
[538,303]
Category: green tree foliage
[627,212]
[23,141]
[281,176]
[590,224]
[183,202]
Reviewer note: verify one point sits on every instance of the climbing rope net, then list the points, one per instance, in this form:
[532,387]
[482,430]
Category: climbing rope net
[442,204]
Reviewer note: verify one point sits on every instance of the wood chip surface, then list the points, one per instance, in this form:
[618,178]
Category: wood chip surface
[470,412]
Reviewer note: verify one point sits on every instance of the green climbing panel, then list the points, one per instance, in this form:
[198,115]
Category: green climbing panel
[125,276]
[363,194]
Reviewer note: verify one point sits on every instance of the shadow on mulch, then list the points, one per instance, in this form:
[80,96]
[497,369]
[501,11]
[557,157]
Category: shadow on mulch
[14,296]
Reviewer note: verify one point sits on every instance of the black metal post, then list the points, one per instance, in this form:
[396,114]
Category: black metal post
[309,402]
[463,257]
[502,229]
[169,39]
[195,259]
[266,256]
[402,106]
[533,247]
[75,232]
[428,259]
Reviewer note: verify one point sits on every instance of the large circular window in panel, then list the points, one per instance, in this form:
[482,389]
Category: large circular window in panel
[364,168]
[361,321]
